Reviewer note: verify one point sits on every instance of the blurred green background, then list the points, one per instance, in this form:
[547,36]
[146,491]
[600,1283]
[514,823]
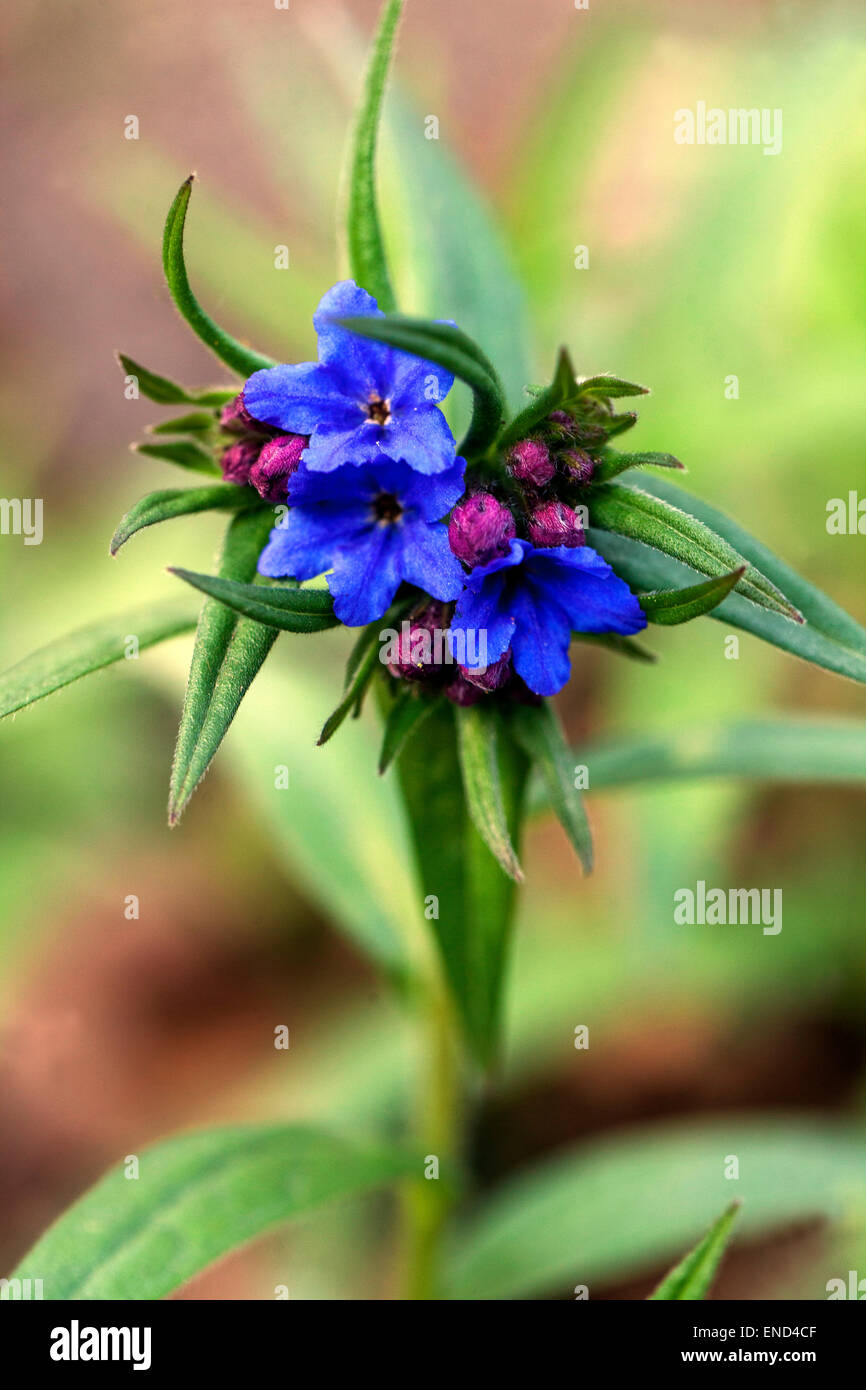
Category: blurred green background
[703,262]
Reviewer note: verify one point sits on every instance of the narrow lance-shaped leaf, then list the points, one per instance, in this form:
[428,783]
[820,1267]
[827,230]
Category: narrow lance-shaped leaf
[690,1280]
[405,717]
[90,649]
[286,608]
[360,679]
[198,1197]
[612,463]
[366,246]
[609,387]
[242,360]
[558,394]
[454,350]
[183,452]
[472,900]
[539,732]
[227,656]
[671,606]
[165,392]
[787,750]
[830,637]
[638,515]
[197,423]
[173,502]
[476,740]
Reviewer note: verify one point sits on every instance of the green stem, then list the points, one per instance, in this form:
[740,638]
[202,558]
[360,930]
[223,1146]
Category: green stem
[438,1125]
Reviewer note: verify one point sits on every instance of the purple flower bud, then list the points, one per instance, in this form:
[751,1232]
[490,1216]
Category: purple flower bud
[276,463]
[581,431]
[235,416]
[493,676]
[463,692]
[481,527]
[578,465]
[529,461]
[238,459]
[554,523]
[416,646]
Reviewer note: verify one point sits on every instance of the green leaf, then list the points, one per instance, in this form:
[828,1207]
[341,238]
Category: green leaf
[539,733]
[197,1197]
[228,653]
[184,452]
[173,502]
[621,1206]
[611,464]
[561,391]
[830,637]
[473,899]
[609,387]
[241,359]
[360,679]
[166,392]
[671,606]
[639,516]
[196,423]
[618,424]
[477,738]
[454,350]
[408,713]
[287,608]
[692,1277]
[89,649]
[364,234]
[787,750]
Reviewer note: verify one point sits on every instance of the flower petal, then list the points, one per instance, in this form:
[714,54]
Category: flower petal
[298,398]
[365,367]
[587,590]
[421,438]
[428,562]
[366,578]
[541,639]
[485,611]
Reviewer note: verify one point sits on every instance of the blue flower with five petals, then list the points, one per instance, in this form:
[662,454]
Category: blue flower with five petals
[532,600]
[360,399]
[372,526]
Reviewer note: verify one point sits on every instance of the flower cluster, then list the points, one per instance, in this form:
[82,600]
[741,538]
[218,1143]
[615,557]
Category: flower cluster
[358,446]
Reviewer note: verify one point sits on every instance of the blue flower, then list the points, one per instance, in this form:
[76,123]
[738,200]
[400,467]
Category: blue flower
[532,600]
[360,399]
[372,526]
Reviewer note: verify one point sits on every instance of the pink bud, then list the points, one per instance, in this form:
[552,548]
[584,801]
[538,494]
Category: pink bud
[530,462]
[237,460]
[276,463]
[480,528]
[554,523]
[579,465]
[236,417]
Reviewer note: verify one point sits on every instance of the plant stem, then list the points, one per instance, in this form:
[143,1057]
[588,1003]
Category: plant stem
[428,1202]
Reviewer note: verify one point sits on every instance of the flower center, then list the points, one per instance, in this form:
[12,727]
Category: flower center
[386,507]
[378,411]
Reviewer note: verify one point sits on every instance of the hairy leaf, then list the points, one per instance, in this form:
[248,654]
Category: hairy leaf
[692,1277]
[287,608]
[242,360]
[173,502]
[90,649]
[454,350]
[197,1197]
[364,234]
